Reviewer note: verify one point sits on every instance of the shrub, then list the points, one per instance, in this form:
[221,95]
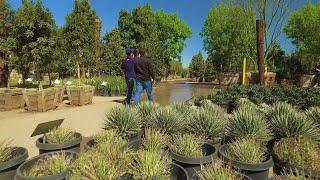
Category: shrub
[167,120]
[210,122]
[155,140]
[314,114]
[50,165]
[60,135]
[124,120]
[109,139]
[249,123]
[218,171]
[246,150]
[145,110]
[302,152]
[189,145]
[5,150]
[286,121]
[108,85]
[151,165]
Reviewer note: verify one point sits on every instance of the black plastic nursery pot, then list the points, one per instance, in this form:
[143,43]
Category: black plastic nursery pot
[190,164]
[253,171]
[282,167]
[178,172]
[73,145]
[133,145]
[8,168]
[215,142]
[29,163]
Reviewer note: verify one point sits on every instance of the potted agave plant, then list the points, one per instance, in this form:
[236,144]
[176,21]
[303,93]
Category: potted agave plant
[54,165]
[104,138]
[209,121]
[291,175]
[298,154]
[125,121]
[218,170]
[248,156]
[10,159]
[145,110]
[59,139]
[183,109]
[191,151]
[313,114]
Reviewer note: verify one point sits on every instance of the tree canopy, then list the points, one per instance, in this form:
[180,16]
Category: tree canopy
[197,66]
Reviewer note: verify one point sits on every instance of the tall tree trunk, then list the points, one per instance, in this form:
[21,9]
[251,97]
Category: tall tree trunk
[260,49]
[49,75]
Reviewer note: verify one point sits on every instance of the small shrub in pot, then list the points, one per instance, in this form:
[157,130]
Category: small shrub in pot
[247,122]
[54,165]
[286,122]
[10,159]
[145,109]
[248,156]
[302,154]
[125,121]
[59,139]
[155,140]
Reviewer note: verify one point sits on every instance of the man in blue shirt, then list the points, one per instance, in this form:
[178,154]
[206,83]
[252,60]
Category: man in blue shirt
[127,67]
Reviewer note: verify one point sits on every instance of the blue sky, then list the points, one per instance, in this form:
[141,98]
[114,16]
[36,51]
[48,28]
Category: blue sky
[193,12]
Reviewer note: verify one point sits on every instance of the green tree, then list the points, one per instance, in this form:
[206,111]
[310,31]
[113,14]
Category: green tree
[229,36]
[176,68]
[80,33]
[304,29]
[197,66]
[33,31]
[210,70]
[6,41]
[112,53]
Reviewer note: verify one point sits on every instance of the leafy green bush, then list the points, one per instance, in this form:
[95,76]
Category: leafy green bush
[60,135]
[303,98]
[286,121]
[209,121]
[301,152]
[5,150]
[246,150]
[108,85]
[50,165]
[249,123]
[167,120]
[124,120]
[189,145]
[217,170]
[151,165]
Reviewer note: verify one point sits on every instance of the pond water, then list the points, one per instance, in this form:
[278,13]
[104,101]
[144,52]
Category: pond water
[180,91]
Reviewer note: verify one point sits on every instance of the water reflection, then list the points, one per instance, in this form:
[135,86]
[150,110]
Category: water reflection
[180,91]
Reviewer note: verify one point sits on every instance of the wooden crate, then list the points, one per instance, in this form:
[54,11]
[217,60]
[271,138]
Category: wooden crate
[228,78]
[80,95]
[41,100]
[11,99]
[60,91]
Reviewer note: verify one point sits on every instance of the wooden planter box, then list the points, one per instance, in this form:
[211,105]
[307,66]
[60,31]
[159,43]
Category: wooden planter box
[60,92]
[287,82]
[304,80]
[228,78]
[41,100]
[269,78]
[11,99]
[80,95]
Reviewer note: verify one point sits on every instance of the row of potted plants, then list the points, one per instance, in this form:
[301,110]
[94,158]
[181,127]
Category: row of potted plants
[142,141]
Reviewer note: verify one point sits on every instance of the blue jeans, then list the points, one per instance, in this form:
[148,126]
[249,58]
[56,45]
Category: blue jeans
[141,86]
[130,86]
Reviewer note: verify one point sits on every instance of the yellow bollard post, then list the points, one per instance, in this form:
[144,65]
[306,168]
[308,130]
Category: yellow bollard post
[244,69]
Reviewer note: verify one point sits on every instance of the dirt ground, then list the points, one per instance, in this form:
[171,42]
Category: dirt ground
[18,125]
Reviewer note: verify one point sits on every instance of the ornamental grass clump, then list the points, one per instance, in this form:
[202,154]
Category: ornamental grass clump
[210,122]
[60,135]
[124,120]
[50,165]
[108,139]
[145,110]
[5,150]
[314,114]
[189,145]
[151,165]
[301,152]
[249,123]
[291,175]
[167,120]
[218,171]
[246,150]
[183,108]
[155,140]
[288,122]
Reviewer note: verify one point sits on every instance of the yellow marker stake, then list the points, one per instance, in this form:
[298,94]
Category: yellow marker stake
[244,66]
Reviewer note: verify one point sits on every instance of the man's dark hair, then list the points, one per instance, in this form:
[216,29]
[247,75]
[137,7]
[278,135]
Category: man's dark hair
[143,51]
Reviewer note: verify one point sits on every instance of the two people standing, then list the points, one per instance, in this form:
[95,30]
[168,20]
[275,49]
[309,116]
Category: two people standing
[138,69]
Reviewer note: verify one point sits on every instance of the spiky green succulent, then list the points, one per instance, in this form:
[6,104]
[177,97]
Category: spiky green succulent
[145,109]
[60,135]
[6,150]
[155,140]
[314,114]
[189,145]
[218,171]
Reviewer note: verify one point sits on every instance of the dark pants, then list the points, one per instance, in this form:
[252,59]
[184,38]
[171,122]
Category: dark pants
[141,86]
[130,86]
